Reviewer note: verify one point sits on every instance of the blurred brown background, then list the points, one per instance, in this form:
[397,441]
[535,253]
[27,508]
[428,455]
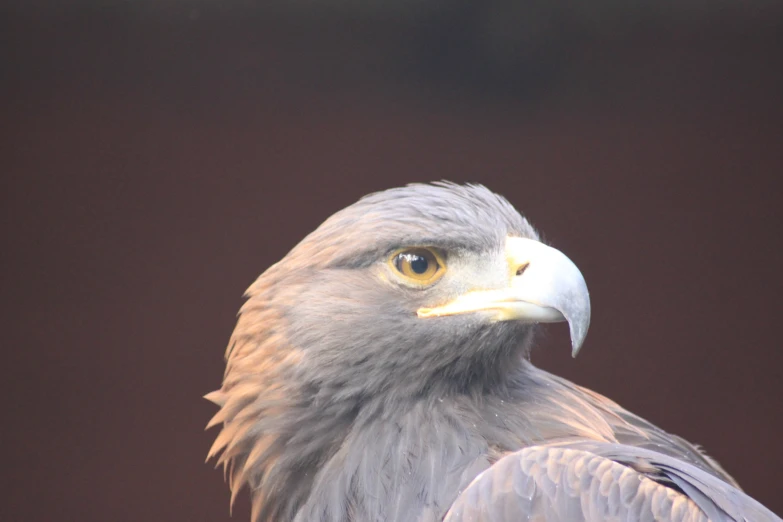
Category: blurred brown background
[158,156]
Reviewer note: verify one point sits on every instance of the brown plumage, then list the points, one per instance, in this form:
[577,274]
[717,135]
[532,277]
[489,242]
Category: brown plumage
[356,390]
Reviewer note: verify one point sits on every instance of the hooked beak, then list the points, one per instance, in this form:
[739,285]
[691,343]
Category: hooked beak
[544,287]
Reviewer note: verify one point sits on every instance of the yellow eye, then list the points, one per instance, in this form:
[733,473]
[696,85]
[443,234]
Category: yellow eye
[419,265]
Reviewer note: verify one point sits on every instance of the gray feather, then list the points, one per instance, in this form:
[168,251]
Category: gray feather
[595,481]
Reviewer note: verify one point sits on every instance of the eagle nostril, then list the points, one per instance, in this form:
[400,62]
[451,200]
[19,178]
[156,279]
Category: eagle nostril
[521,269]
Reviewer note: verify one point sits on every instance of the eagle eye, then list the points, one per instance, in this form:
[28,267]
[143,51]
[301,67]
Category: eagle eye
[418,265]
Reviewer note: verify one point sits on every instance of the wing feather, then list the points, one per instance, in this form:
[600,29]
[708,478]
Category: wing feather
[594,481]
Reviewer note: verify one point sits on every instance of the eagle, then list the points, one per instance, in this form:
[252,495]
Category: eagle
[380,372]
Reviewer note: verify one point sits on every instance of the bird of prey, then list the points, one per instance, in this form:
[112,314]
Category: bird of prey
[380,372]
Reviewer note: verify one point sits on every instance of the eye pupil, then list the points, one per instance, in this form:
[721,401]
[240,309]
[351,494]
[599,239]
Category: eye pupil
[419,264]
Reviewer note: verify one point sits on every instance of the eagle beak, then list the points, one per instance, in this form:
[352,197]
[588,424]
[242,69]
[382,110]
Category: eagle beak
[544,287]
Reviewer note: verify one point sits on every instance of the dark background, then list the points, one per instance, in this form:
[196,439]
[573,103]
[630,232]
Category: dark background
[156,157]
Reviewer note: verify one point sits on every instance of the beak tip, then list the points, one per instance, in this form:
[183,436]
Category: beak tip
[578,330]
